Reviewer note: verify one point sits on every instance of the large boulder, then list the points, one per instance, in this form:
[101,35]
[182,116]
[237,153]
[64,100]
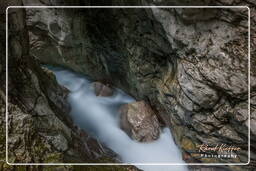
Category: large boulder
[102,89]
[139,121]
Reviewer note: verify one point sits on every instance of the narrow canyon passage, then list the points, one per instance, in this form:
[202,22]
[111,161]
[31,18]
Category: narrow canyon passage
[150,85]
[99,116]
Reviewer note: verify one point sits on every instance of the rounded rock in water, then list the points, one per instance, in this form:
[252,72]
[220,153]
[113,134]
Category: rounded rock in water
[102,90]
[139,121]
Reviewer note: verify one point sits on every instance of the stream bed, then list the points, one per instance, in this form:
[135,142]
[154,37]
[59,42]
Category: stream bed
[99,117]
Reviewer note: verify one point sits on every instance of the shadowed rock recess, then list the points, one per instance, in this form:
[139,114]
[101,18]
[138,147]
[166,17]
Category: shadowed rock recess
[189,65]
[39,127]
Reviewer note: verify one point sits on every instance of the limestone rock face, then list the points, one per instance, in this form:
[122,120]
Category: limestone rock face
[191,64]
[139,121]
[40,129]
[102,89]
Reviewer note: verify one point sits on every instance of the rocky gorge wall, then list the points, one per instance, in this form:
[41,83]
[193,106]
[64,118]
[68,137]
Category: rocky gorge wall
[39,127]
[190,65]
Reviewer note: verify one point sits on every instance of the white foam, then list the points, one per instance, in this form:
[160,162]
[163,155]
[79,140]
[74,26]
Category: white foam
[100,117]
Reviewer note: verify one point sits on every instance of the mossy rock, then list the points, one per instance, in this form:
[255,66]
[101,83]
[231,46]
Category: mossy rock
[53,158]
[187,144]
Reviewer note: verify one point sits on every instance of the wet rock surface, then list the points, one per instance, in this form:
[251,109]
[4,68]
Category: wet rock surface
[39,127]
[101,89]
[191,64]
[139,121]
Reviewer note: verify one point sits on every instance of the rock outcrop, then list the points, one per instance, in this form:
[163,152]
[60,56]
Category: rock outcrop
[102,89]
[139,121]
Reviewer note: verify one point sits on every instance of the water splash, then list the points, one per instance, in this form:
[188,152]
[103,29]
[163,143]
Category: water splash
[99,117]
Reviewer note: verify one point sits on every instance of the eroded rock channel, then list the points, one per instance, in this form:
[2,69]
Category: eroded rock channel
[100,117]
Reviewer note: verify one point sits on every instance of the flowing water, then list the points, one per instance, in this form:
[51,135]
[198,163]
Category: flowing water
[99,117]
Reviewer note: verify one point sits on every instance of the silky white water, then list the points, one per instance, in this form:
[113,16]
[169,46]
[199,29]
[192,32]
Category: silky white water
[99,117]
